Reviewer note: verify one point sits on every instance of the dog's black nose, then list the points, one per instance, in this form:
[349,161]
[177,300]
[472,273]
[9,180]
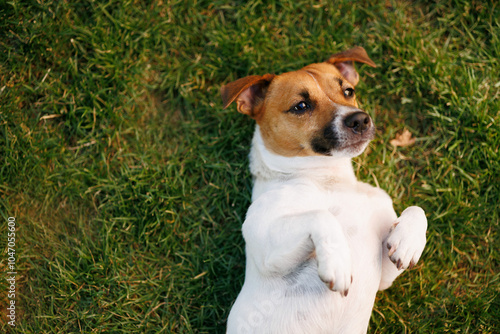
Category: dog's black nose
[358,122]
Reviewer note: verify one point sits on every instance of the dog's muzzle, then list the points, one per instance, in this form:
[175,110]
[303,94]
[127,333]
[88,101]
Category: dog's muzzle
[348,133]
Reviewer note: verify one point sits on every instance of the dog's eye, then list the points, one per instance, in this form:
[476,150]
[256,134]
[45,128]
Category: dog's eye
[348,92]
[300,107]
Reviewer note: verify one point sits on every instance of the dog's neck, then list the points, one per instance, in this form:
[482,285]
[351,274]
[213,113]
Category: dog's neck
[267,167]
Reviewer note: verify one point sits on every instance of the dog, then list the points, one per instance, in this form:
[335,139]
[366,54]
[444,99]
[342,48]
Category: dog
[319,243]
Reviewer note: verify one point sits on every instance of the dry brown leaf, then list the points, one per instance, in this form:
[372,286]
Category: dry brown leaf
[404,139]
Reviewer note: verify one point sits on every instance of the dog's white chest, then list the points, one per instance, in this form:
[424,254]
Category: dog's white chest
[282,268]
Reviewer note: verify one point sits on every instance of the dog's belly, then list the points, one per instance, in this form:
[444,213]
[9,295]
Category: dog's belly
[300,302]
[297,301]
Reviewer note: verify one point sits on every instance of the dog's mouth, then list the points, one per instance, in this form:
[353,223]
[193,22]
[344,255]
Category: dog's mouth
[348,136]
[357,147]
[328,147]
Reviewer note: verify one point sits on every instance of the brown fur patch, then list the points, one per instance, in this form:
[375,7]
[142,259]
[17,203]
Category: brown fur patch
[289,134]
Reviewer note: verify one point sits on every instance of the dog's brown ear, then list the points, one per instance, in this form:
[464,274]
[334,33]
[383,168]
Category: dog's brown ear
[344,62]
[248,92]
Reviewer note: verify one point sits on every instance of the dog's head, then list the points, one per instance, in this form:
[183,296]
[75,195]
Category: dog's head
[312,111]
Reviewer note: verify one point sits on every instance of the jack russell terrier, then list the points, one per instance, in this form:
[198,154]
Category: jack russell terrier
[319,243]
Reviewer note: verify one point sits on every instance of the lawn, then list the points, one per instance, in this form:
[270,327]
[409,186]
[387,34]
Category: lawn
[129,182]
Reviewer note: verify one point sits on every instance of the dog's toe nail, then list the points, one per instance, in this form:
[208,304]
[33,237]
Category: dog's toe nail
[412,264]
[392,250]
[351,278]
[346,292]
[330,285]
[399,264]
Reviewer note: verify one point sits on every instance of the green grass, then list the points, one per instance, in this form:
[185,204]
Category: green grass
[129,182]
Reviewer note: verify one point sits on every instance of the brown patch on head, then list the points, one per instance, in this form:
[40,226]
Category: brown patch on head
[296,110]
[289,132]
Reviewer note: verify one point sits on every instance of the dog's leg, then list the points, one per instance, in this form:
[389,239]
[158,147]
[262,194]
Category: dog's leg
[404,244]
[294,238]
[333,256]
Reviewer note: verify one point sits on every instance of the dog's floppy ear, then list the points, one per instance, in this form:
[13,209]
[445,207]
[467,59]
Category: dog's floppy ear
[248,92]
[344,62]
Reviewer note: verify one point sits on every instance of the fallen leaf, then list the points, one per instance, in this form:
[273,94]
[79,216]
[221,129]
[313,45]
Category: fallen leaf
[404,139]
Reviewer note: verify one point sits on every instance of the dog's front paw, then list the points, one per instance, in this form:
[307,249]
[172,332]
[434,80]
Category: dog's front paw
[406,241]
[335,269]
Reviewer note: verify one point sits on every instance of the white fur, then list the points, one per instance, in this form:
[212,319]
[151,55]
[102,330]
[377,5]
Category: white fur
[312,225]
